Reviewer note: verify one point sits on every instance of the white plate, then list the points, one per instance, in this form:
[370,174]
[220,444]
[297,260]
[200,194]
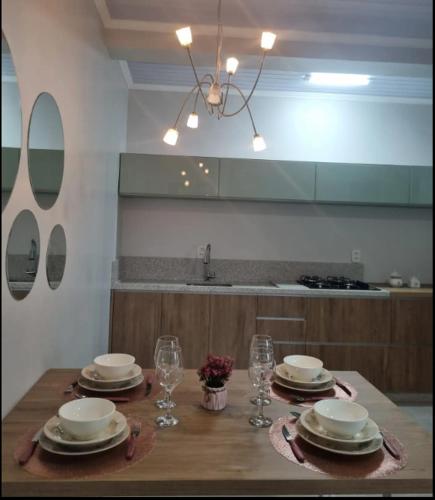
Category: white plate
[116,426]
[59,449]
[89,373]
[288,385]
[323,378]
[91,386]
[309,421]
[353,449]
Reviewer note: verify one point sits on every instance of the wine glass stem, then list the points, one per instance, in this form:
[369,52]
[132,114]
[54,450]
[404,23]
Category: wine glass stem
[168,401]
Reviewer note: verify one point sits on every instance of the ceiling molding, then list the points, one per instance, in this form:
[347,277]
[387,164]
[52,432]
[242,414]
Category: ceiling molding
[253,33]
[299,95]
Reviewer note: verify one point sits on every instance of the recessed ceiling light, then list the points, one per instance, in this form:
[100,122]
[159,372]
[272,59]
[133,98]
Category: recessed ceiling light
[338,79]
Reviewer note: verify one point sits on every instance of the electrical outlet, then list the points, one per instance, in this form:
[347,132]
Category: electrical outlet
[200,251]
[356,256]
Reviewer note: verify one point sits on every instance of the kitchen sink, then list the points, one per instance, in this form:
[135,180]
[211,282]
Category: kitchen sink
[208,283]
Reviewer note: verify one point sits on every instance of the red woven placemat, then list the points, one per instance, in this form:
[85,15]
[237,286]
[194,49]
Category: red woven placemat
[51,466]
[376,465]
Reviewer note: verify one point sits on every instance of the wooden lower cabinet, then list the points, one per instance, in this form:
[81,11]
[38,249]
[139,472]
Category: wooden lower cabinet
[409,369]
[135,325]
[389,341]
[349,320]
[284,319]
[187,316]
[369,361]
[232,325]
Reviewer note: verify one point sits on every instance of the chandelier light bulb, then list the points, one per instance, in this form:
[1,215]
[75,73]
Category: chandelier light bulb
[187,183]
[171,137]
[183,173]
[206,171]
[200,164]
[192,121]
[232,64]
[184,36]
[258,143]
[267,40]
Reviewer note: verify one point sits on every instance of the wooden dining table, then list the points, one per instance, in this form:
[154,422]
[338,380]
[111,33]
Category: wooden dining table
[213,453]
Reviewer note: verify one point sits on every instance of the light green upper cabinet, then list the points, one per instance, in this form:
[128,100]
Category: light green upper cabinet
[360,183]
[421,185]
[266,180]
[174,176]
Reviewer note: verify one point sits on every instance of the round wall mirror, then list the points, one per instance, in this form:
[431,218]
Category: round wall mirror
[56,256]
[11,123]
[22,254]
[45,150]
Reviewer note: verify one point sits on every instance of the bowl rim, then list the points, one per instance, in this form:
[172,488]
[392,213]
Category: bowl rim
[303,356]
[352,403]
[131,361]
[110,413]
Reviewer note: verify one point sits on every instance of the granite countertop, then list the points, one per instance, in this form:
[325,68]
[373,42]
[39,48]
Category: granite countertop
[177,286]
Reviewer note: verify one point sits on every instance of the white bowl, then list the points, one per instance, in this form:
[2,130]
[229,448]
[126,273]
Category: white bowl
[114,365]
[342,418]
[303,368]
[84,418]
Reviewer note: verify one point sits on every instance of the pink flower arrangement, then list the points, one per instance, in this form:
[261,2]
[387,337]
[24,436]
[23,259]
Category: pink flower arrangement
[216,371]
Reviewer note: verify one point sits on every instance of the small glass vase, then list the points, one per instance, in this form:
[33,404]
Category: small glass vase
[214,398]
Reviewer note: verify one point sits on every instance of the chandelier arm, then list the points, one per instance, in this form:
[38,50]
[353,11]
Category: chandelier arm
[245,104]
[226,94]
[246,99]
[202,82]
[186,100]
[198,83]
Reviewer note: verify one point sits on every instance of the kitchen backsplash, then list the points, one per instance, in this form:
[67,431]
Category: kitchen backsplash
[246,271]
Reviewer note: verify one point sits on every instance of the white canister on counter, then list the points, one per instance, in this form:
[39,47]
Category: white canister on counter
[395,280]
[414,282]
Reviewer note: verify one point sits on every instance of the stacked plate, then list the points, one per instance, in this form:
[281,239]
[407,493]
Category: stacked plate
[84,427]
[92,381]
[341,427]
[320,383]
[111,373]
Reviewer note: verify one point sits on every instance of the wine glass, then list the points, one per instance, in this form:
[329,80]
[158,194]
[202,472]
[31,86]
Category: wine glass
[265,341]
[170,341]
[261,365]
[169,370]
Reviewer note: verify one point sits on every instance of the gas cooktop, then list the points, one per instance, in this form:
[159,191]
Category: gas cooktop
[334,283]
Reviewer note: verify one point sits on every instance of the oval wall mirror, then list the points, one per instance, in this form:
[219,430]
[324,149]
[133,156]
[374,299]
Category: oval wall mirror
[22,254]
[45,150]
[11,123]
[56,256]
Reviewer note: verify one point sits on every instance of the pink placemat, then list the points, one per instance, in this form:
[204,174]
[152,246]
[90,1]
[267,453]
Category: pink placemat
[138,393]
[288,395]
[51,466]
[376,465]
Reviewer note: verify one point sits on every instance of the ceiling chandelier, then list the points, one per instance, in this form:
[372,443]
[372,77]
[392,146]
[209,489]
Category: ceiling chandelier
[214,93]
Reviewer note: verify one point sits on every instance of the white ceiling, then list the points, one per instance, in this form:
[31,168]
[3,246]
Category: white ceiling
[388,39]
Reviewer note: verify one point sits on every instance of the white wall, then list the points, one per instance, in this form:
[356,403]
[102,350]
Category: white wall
[57,47]
[304,129]
[299,129]
[389,238]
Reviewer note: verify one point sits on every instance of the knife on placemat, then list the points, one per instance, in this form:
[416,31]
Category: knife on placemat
[293,445]
[70,388]
[30,448]
[389,446]
[342,386]
[149,384]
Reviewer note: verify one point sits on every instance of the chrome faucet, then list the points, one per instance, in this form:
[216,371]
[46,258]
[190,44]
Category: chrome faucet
[31,267]
[207,274]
